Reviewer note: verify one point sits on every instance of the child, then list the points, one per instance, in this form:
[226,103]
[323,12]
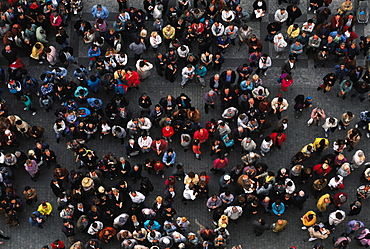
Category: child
[27,102]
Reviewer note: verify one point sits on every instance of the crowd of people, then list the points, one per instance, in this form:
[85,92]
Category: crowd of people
[98,198]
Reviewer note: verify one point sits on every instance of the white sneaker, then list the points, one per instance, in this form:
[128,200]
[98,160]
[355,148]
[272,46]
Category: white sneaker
[304,228]
[34,113]
[339,127]
[25,109]
[314,11]
[277,56]
[364,127]
[368,135]
[309,9]
[312,239]
[356,125]
[326,134]
[265,73]
[41,62]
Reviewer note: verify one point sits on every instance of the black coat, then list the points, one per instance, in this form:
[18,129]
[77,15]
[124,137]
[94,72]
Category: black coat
[223,79]
[57,191]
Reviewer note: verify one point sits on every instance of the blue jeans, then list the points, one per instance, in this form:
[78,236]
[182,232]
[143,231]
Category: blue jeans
[92,63]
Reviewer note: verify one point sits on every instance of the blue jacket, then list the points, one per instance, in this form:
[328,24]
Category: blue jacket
[82,75]
[91,53]
[364,117]
[341,73]
[120,87]
[94,85]
[278,209]
[342,38]
[91,103]
[228,142]
[32,86]
[83,93]
[103,14]
[201,71]
[156,226]
[245,87]
[34,222]
[165,157]
[298,49]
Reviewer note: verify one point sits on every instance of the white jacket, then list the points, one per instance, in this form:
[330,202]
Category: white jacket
[155,41]
[188,194]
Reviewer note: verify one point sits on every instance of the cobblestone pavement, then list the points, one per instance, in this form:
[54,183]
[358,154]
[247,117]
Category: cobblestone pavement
[298,134]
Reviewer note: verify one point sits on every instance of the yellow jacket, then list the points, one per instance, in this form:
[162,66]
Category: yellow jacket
[291,33]
[304,150]
[35,54]
[321,205]
[45,211]
[306,222]
[168,34]
[317,141]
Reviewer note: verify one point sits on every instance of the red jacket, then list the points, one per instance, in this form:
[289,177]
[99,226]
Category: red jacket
[278,141]
[162,147]
[168,131]
[59,245]
[201,138]
[320,170]
[133,80]
[340,198]
[158,166]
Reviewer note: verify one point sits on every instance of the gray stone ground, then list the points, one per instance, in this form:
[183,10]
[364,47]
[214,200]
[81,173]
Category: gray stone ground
[298,135]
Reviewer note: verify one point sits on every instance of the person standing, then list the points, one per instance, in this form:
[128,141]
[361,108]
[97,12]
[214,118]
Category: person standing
[263,64]
[293,13]
[278,105]
[279,44]
[32,168]
[210,100]
[278,139]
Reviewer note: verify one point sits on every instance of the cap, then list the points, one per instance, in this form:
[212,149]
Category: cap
[227,177]
[309,97]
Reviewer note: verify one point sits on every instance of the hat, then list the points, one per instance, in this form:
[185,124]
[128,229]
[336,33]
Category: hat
[101,189]
[87,182]
[211,92]
[227,177]
[7,132]
[181,245]
[309,98]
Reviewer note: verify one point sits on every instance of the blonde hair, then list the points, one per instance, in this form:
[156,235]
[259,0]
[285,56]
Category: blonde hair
[159,198]
[154,33]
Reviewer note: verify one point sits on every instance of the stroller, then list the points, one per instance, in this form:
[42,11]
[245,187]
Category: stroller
[363,11]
